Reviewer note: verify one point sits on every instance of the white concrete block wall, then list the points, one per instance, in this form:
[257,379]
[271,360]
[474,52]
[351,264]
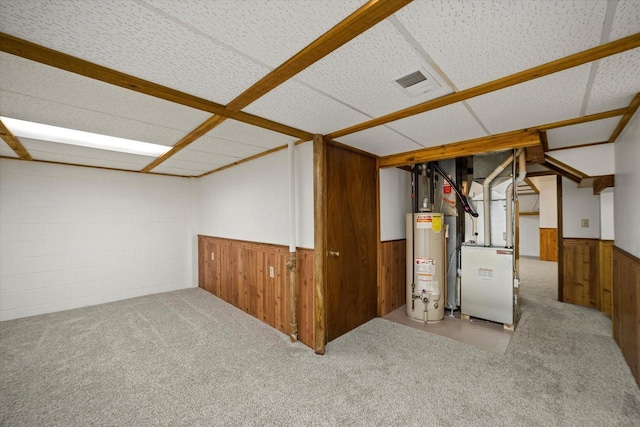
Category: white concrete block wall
[395,203]
[72,236]
[627,189]
[251,201]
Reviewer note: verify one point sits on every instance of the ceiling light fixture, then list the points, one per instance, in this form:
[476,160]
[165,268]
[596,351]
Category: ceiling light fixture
[25,129]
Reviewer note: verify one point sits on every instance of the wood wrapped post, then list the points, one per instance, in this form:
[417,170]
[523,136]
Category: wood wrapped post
[319,254]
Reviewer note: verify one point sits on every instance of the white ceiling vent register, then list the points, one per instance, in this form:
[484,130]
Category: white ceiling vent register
[416,82]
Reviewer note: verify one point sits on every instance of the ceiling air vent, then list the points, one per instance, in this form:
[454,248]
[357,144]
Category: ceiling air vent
[417,82]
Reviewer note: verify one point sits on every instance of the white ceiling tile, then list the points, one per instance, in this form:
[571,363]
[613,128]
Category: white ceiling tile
[380,141]
[545,100]
[296,105]
[187,165]
[129,37]
[36,80]
[5,150]
[44,150]
[584,133]
[224,147]
[444,125]
[617,82]
[271,32]
[362,73]
[207,159]
[39,110]
[232,130]
[479,41]
[626,20]
[594,161]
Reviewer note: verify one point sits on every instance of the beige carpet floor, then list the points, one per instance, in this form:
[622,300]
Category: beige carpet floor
[186,358]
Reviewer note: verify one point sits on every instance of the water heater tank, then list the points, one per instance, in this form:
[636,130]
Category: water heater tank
[426,266]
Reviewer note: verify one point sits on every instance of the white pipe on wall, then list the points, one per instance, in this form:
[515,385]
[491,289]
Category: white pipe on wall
[292,196]
[486,198]
[291,264]
[522,173]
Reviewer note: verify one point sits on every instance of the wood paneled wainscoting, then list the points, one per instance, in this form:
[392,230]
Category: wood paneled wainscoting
[549,244]
[238,272]
[587,273]
[391,276]
[626,307]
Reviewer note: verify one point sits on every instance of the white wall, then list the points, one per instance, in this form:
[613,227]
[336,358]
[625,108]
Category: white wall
[250,201]
[579,204]
[548,200]
[529,225]
[73,236]
[607,227]
[529,236]
[395,203]
[627,188]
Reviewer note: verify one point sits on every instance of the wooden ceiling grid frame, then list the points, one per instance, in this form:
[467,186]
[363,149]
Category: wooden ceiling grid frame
[358,22]
[355,24]
[631,110]
[14,143]
[571,61]
[43,55]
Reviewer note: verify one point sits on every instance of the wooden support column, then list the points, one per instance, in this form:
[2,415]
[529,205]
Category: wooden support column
[320,251]
[560,239]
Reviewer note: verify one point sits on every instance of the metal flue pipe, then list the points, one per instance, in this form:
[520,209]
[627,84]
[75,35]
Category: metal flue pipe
[522,173]
[486,198]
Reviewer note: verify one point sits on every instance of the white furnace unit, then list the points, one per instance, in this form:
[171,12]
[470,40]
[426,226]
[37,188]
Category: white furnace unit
[489,290]
[426,266]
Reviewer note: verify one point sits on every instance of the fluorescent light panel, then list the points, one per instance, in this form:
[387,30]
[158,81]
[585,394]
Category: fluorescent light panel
[25,129]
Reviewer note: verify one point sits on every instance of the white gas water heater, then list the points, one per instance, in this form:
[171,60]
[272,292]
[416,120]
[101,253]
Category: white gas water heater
[426,234]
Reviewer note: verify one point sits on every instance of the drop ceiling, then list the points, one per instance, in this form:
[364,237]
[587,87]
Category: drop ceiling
[217,50]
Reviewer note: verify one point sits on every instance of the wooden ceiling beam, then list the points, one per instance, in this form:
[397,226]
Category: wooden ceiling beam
[503,141]
[580,58]
[53,162]
[602,182]
[352,26]
[355,24]
[631,110]
[565,166]
[562,172]
[544,141]
[201,130]
[540,173]
[535,153]
[584,119]
[570,147]
[13,142]
[43,55]
[531,184]
[255,156]
[564,169]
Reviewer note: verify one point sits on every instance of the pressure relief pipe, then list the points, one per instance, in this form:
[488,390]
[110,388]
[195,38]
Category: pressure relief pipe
[486,198]
[522,173]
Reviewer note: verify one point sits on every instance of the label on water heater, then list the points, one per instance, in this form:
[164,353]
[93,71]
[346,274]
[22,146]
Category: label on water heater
[424,221]
[437,223]
[426,265]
